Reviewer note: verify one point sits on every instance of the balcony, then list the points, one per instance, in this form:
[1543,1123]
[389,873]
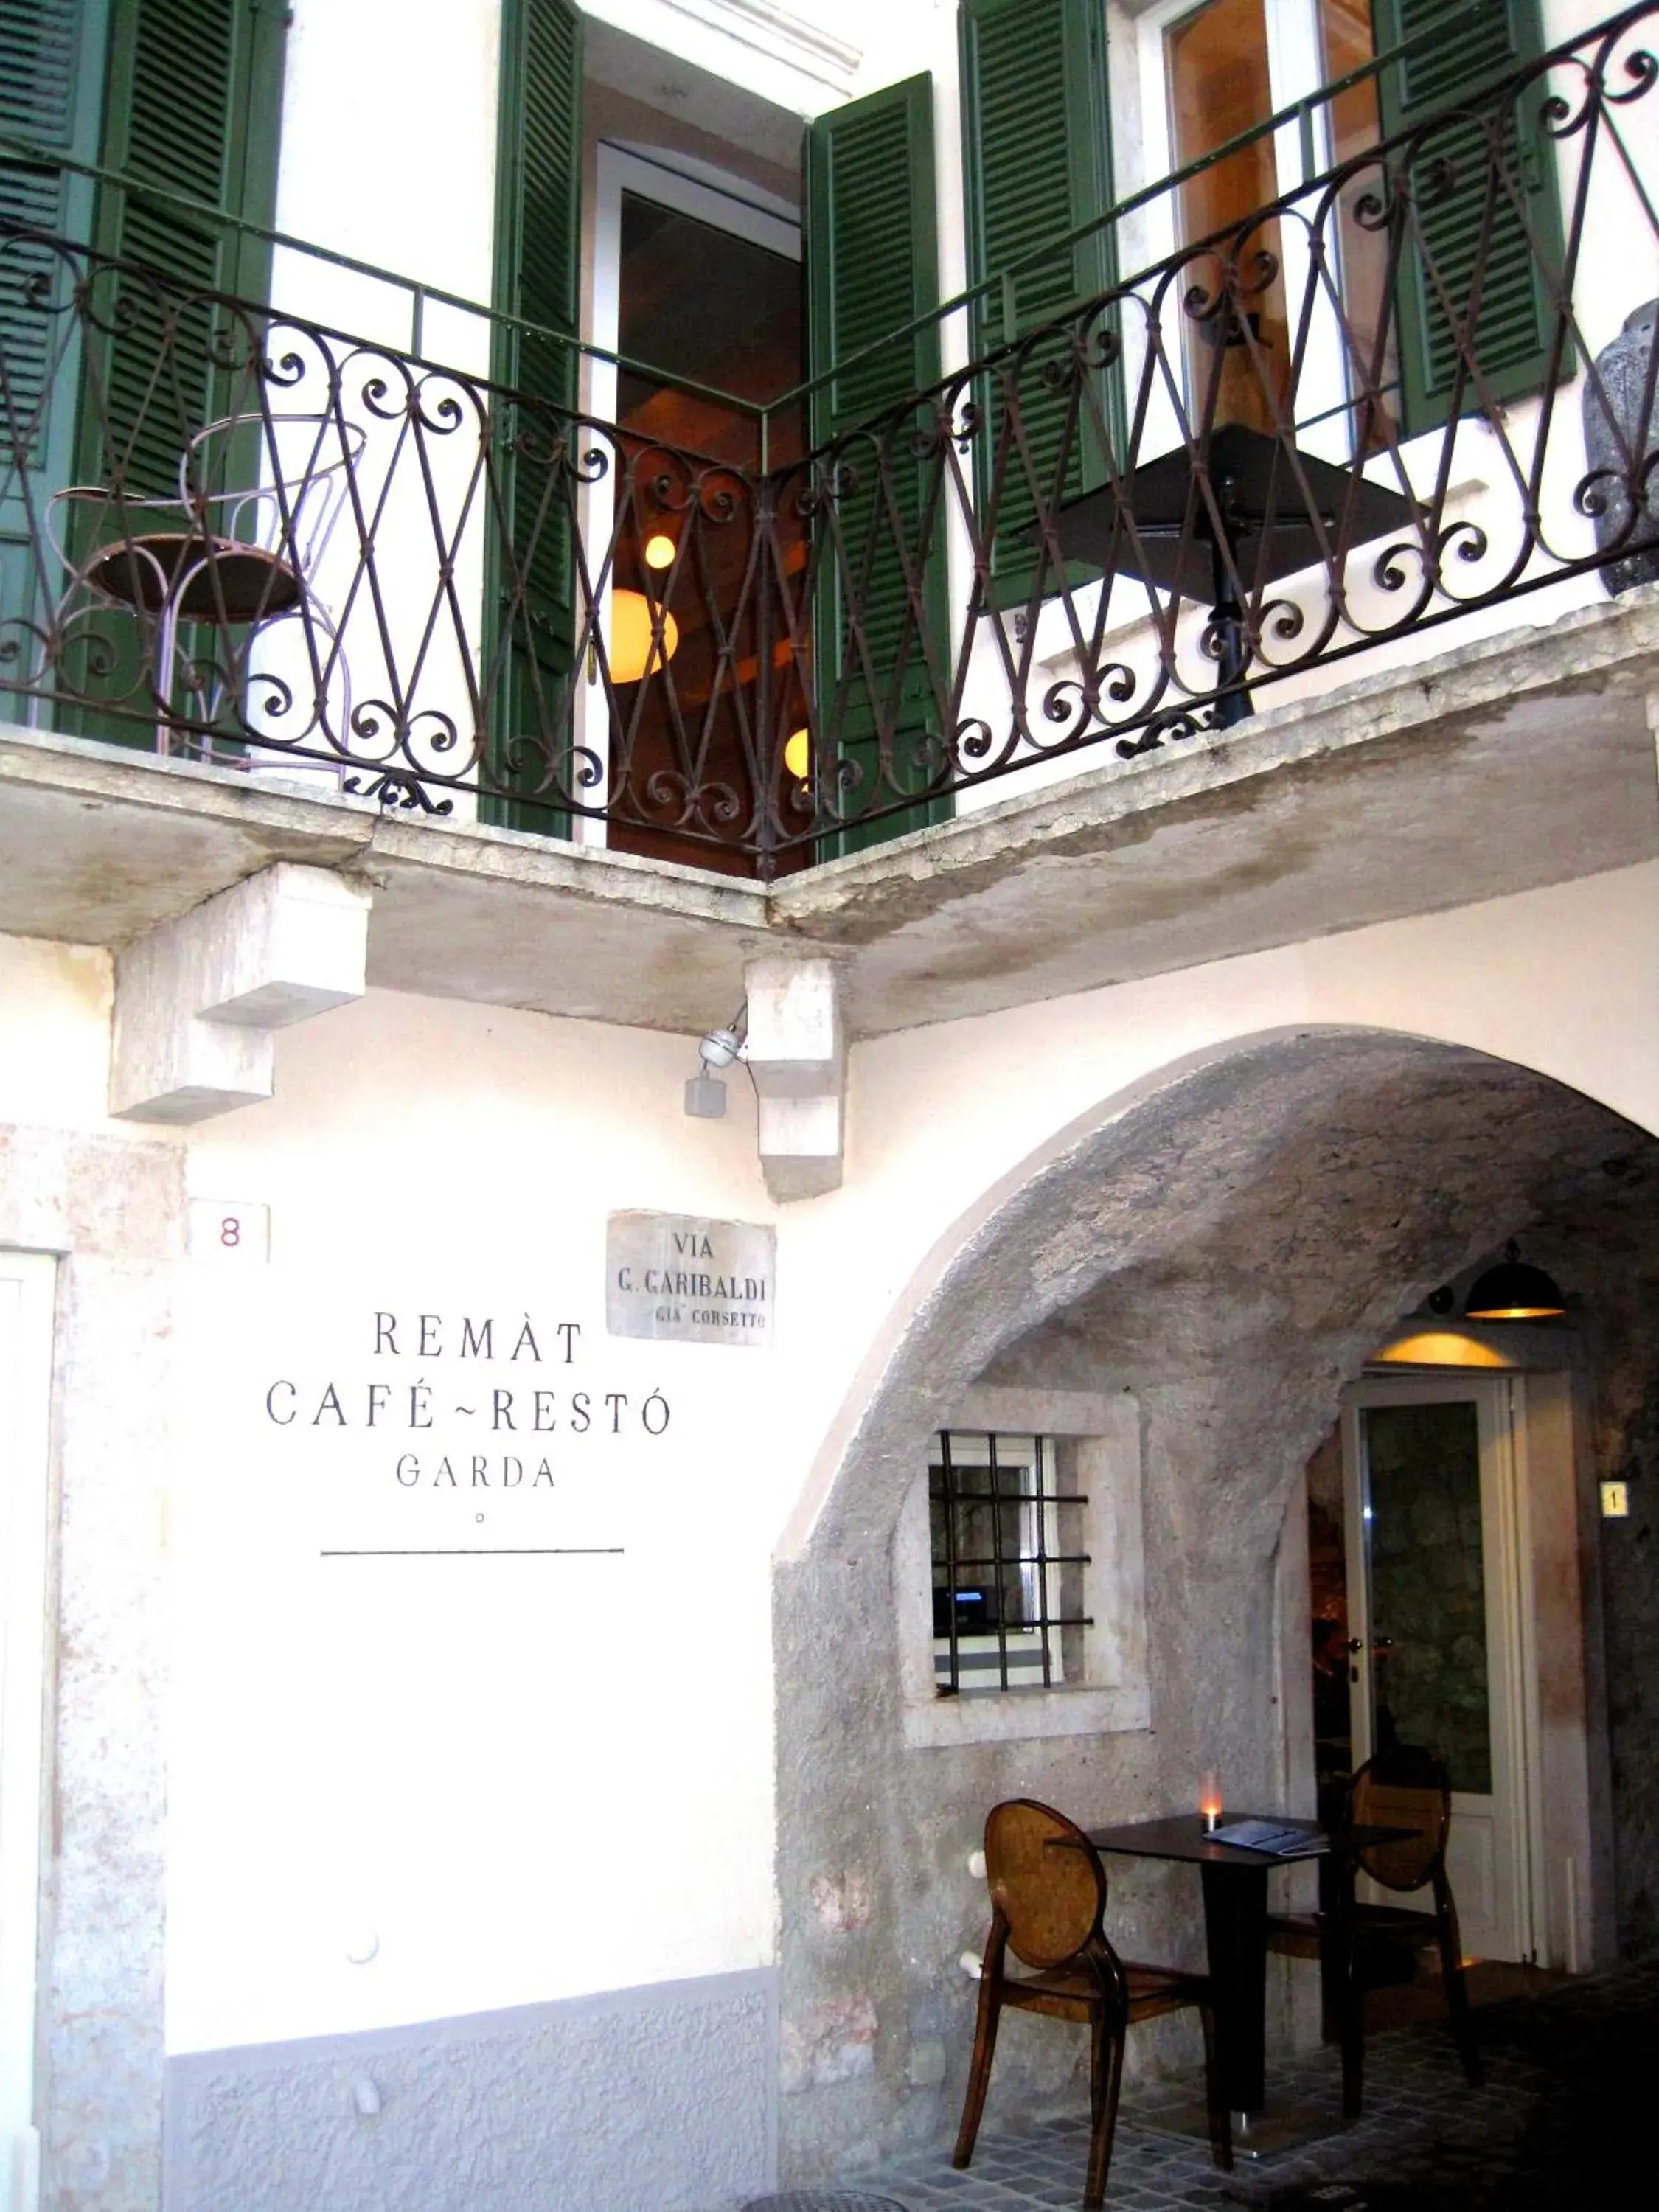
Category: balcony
[1186,542]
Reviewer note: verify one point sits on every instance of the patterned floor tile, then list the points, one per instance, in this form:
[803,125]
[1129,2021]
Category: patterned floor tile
[1557,2122]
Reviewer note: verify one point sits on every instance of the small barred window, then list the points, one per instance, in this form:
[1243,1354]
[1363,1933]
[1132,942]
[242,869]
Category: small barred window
[1008,1564]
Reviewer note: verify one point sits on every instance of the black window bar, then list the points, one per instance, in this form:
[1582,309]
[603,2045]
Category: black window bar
[1003,1571]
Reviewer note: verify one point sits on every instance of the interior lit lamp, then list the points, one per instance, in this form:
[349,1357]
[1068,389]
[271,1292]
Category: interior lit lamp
[1512,1290]
[632,649]
[798,754]
[659,550]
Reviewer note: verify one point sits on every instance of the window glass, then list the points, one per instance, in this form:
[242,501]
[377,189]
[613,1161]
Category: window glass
[1007,1564]
[1220,89]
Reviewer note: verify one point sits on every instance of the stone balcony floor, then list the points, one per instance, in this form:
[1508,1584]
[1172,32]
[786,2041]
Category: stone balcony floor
[1565,2121]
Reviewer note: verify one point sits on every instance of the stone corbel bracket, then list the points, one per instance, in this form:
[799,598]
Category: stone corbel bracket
[199,1000]
[798,1058]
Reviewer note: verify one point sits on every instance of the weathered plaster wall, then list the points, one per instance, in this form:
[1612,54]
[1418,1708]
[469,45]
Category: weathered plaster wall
[946,1122]
[1606,1255]
[1231,1248]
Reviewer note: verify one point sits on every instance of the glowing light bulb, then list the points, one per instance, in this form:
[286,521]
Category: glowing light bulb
[659,550]
[634,649]
[798,754]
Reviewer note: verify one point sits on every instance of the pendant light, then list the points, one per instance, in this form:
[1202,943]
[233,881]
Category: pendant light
[634,648]
[1512,1290]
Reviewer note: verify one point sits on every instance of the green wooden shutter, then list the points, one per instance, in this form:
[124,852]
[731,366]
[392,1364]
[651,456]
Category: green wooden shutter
[529,644]
[50,83]
[873,266]
[193,106]
[1505,296]
[1036,163]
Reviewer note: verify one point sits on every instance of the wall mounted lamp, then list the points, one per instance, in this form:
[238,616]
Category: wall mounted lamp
[1513,1291]
[705,1093]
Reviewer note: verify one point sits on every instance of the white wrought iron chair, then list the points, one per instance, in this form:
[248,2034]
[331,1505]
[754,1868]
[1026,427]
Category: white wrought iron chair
[238,558]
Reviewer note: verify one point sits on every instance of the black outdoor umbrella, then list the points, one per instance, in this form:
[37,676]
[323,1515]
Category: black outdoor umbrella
[1266,497]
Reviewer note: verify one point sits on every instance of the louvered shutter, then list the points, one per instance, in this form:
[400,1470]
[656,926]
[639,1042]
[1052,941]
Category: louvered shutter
[39,55]
[530,648]
[1467,257]
[193,106]
[51,76]
[880,611]
[1036,160]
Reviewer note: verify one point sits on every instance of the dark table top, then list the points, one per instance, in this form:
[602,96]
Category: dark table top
[1183,1836]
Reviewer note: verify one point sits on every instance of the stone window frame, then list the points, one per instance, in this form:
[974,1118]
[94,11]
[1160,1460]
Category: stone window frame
[1098,1438]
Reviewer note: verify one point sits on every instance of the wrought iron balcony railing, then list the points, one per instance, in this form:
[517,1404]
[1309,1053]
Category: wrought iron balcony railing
[1372,406]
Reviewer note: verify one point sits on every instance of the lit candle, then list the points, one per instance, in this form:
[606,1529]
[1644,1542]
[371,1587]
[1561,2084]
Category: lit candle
[1209,1801]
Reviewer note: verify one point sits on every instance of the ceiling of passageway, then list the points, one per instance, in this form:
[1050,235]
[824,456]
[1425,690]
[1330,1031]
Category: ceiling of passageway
[1252,1230]
[1318,1188]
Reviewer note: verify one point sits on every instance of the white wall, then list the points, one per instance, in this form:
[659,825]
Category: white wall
[491,1774]
[529,1777]
[389,155]
[55,1007]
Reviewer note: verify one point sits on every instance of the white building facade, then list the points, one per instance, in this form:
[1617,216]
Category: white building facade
[471,1727]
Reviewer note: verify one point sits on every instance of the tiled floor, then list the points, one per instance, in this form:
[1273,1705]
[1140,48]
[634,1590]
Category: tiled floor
[1565,2120]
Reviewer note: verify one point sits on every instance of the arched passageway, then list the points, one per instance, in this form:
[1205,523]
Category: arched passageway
[1229,1248]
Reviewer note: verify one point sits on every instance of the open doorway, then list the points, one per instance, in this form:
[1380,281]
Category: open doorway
[694,259]
[701,279]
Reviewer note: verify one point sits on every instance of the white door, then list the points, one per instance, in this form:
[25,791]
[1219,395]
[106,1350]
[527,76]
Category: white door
[26,1292]
[1439,1630]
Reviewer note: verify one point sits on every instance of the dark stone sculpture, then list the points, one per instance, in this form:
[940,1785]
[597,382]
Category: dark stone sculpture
[1621,442]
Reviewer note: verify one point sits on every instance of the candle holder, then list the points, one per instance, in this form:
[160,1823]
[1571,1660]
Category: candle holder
[1209,1804]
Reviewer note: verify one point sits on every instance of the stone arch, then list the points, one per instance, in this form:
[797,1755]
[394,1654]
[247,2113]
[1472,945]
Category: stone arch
[1228,1240]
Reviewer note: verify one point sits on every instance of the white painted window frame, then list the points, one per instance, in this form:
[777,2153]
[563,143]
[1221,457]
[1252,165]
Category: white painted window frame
[28,1282]
[1101,1433]
[710,195]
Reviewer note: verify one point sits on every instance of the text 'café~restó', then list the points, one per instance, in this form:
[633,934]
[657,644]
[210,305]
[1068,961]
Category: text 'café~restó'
[419,1404]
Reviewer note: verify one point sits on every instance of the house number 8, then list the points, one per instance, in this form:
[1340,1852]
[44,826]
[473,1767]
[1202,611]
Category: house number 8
[229,1230]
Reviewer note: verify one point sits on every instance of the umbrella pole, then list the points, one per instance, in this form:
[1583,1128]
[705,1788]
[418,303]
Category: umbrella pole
[1232,701]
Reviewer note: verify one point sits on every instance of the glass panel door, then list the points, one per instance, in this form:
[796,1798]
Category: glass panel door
[1436,1641]
[1429,1678]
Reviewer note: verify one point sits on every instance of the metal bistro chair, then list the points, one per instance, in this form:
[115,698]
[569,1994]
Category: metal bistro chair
[241,557]
[1048,1897]
[1404,1788]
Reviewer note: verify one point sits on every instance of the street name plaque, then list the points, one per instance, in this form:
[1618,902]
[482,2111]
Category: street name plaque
[683,1279]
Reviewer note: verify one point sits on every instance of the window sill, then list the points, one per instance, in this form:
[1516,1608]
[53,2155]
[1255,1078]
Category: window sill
[1019,1716]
